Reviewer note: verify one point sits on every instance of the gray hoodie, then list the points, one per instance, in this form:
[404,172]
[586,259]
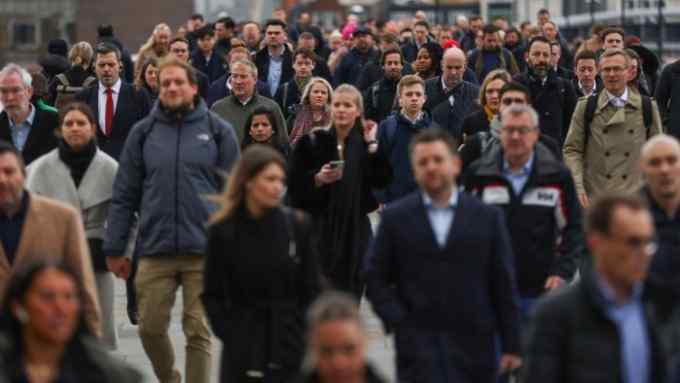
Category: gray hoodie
[167,168]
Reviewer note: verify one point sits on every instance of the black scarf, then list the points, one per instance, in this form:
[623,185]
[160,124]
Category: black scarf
[77,161]
[343,216]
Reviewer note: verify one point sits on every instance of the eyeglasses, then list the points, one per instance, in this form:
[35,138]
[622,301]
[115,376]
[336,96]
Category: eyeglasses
[11,90]
[509,101]
[614,69]
[522,130]
[648,245]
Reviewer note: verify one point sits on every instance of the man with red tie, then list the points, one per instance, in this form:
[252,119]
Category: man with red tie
[118,105]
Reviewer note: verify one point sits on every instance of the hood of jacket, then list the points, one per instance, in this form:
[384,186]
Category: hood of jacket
[199,111]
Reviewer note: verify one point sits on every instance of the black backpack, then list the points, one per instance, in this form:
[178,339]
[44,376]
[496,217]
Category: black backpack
[66,92]
[591,106]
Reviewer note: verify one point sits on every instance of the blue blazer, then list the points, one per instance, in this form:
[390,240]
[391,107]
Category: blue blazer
[449,303]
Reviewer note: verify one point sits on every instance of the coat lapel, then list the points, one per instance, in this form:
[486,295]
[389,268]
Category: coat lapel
[424,223]
[34,135]
[33,222]
[5,132]
[461,219]
[121,106]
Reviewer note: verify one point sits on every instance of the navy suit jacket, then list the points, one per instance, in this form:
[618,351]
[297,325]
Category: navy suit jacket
[464,295]
[133,105]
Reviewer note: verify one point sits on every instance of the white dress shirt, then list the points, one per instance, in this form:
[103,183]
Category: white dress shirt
[618,102]
[102,102]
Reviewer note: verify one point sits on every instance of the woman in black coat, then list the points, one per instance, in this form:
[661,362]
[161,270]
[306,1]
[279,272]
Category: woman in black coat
[43,333]
[332,176]
[260,127]
[261,273]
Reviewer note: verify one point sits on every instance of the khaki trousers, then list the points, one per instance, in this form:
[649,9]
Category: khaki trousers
[157,282]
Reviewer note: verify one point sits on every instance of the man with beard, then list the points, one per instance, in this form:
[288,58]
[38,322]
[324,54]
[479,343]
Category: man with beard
[117,105]
[358,57]
[275,61]
[492,55]
[379,98]
[449,97]
[179,144]
[553,97]
[434,250]
[28,127]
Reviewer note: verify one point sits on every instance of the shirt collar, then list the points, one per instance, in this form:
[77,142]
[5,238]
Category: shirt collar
[445,88]
[418,117]
[453,200]
[610,296]
[623,97]
[115,88]
[594,87]
[526,168]
[29,119]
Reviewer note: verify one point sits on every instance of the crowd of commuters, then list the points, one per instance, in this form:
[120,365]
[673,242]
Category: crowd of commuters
[527,192]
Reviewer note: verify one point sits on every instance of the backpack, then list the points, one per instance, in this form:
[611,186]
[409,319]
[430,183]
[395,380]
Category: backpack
[66,92]
[591,106]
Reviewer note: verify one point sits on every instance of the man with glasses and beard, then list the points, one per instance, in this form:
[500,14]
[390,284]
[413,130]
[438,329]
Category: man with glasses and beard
[554,97]
[167,167]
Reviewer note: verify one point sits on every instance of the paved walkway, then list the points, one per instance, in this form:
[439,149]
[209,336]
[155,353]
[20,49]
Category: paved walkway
[380,348]
[130,349]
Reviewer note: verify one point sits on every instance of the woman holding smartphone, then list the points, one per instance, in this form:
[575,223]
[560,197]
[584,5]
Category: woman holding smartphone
[332,175]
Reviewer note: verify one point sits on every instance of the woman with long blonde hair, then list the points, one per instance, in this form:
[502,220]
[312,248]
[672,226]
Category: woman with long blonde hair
[156,46]
[260,273]
[333,172]
[314,110]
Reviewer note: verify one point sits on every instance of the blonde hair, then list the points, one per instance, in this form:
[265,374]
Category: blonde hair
[253,160]
[354,93]
[496,74]
[149,44]
[307,90]
[409,80]
[81,54]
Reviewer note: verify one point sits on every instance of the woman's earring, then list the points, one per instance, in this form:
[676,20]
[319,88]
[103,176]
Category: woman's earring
[21,314]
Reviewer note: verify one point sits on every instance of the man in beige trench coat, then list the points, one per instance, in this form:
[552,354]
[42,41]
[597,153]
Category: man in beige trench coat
[604,159]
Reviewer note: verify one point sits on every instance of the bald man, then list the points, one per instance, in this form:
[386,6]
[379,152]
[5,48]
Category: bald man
[449,97]
[660,165]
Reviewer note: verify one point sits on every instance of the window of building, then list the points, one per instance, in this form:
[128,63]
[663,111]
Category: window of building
[24,34]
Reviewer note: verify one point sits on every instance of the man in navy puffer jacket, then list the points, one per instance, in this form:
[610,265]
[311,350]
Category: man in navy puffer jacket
[167,168]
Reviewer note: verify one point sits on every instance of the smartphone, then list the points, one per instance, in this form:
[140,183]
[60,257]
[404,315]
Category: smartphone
[336,164]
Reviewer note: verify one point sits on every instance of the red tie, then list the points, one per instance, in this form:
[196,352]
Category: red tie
[109,112]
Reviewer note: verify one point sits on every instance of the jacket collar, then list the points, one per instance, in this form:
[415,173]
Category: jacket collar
[634,99]
[200,110]
[544,164]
